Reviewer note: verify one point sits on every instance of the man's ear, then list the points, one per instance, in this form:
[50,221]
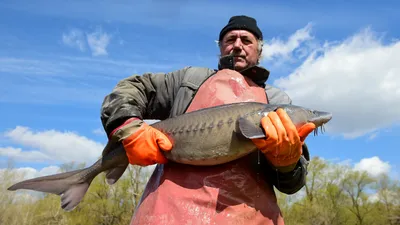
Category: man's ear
[259,56]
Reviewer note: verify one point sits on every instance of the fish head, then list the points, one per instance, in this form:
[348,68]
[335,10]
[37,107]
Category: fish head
[301,115]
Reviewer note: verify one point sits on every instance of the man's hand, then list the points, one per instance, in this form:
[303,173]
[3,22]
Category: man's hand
[283,145]
[143,144]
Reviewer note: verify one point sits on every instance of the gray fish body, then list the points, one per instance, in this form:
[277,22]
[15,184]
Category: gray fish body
[211,136]
[220,134]
[205,137]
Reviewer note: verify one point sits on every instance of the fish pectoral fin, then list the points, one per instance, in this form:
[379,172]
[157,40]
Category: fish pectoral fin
[114,174]
[249,130]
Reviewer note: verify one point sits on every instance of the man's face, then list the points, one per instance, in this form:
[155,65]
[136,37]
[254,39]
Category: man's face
[243,45]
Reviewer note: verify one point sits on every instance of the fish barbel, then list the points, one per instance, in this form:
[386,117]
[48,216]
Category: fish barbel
[205,137]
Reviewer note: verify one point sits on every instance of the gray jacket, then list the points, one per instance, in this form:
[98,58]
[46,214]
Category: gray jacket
[163,95]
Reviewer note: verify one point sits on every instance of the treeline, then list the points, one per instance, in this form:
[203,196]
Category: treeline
[103,204]
[337,194]
[334,194]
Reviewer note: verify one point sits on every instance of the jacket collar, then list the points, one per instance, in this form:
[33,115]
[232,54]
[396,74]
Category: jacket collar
[258,74]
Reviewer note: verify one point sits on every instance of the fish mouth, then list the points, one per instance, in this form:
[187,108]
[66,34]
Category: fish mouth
[320,119]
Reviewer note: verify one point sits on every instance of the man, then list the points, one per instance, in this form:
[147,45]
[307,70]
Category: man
[240,192]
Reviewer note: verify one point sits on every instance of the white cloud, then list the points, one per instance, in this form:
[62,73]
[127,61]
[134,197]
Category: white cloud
[372,136]
[151,121]
[374,166]
[98,42]
[354,79]
[99,131]
[23,66]
[11,176]
[23,173]
[74,38]
[23,156]
[52,145]
[373,198]
[31,80]
[279,51]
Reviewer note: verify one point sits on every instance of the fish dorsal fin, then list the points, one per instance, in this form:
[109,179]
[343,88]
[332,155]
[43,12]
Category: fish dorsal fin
[249,130]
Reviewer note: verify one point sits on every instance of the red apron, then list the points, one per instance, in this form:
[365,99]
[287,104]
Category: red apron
[225,194]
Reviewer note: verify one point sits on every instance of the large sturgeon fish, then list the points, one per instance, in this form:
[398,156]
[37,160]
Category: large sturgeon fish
[206,137]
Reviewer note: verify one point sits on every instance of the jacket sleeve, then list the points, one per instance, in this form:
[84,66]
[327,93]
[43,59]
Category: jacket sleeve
[148,96]
[290,182]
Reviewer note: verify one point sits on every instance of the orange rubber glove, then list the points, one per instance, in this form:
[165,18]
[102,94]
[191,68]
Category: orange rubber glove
[283,145]
[143,144]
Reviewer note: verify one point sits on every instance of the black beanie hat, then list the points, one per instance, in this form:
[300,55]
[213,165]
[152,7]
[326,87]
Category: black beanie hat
[243,23]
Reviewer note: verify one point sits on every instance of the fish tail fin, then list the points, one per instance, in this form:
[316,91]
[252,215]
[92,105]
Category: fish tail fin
[74,195]
[67,185]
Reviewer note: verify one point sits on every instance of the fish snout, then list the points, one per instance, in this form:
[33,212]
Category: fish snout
[320,118]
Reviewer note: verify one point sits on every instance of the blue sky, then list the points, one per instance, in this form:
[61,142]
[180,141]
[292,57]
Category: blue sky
[59,59]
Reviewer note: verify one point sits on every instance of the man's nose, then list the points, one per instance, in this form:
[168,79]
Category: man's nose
[238,44]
